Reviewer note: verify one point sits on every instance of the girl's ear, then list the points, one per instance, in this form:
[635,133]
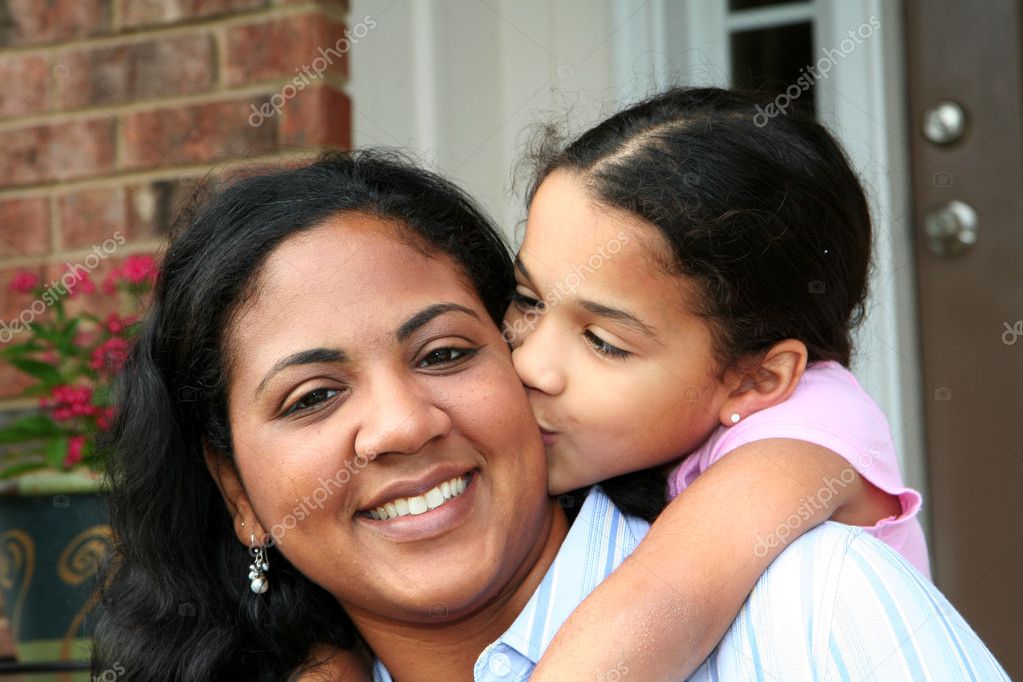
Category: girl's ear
[767,383]
[225,474]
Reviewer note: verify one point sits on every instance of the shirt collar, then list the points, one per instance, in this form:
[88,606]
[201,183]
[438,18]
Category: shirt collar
[597,543]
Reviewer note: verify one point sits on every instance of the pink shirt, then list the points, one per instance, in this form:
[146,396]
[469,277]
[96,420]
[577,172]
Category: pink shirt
[830,409]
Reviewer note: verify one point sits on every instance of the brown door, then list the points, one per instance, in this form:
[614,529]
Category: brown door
[966,141]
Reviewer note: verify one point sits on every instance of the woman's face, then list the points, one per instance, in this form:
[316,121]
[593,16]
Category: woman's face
[367,375]
[620,374]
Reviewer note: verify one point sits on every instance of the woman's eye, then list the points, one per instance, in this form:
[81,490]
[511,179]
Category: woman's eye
[445,356]
[605,348]
[524,302]
[310,400]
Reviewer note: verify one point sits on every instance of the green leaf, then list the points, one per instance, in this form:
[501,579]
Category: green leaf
[66,340]
[17,349]
[43,371]
[56,451]
[32,427]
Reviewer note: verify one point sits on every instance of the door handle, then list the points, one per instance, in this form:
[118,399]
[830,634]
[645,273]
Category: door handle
[951,228]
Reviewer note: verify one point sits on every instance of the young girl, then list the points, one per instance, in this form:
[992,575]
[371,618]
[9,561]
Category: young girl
[686,288]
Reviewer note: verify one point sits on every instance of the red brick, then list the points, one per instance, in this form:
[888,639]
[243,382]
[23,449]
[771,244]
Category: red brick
[25,79]
[136,13]
[91,216]
[12,382]
[24,227]
[301,49]
[204,132]
[26,22]
[59,151]
[156,68]
[317,117]
[157,207]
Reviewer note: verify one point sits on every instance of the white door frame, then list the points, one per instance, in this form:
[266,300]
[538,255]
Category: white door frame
[459,80]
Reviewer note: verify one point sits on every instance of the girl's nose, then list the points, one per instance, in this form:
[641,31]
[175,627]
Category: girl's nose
[538,361]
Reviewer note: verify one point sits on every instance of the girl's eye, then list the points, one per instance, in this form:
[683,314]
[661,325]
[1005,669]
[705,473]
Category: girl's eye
[446,356]
[310,400]
[524,302]
[605,348]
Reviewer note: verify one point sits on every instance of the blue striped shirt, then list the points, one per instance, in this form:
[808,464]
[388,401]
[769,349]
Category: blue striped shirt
[837,604]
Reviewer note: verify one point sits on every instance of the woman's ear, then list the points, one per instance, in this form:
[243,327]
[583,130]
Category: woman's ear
[770,382]
[225,474]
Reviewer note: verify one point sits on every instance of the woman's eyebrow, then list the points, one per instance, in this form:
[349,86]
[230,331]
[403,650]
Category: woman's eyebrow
[409,326]
[303,357]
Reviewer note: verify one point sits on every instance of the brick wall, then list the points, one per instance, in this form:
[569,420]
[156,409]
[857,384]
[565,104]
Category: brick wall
[112,111]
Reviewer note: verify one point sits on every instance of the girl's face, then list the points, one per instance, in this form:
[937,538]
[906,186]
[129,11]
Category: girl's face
[365,373]
[619,372]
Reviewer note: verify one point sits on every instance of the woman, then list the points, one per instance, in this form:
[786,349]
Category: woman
[182,602]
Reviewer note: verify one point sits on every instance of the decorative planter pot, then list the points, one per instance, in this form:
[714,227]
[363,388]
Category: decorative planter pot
[54,536]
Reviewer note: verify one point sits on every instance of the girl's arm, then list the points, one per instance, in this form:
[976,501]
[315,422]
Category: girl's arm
[662,612]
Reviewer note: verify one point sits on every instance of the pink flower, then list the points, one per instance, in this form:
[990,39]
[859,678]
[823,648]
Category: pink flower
[68,402]
[75,445]
[24,282]
[138,269]
[110,355]
[111,280]
[83,285]
[134,270]
[104,418]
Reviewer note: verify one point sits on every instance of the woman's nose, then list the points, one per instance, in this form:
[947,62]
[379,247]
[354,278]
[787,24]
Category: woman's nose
[536,361]
[400,418]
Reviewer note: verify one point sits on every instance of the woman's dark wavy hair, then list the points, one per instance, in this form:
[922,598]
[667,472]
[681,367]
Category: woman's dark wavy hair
[176,605]
[764,215]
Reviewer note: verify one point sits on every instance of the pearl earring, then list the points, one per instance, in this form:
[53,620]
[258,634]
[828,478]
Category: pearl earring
[735,417]
[258,568]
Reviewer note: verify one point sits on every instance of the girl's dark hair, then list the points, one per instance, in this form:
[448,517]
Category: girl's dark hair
[763,214]
[176,605]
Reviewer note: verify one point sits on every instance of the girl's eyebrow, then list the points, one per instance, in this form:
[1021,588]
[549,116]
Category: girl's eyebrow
[616,314]
[619,315]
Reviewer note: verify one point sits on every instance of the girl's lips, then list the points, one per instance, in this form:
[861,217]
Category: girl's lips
[547,436]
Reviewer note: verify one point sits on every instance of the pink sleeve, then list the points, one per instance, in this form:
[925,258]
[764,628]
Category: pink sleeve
[830,409]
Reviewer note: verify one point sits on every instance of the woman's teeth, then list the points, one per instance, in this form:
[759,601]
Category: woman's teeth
[420,504]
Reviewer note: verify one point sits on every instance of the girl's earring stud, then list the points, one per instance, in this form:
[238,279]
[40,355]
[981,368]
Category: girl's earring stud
[735,417]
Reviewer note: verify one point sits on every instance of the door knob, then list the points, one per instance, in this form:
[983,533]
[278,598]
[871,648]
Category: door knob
[944,123]
[951,228]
